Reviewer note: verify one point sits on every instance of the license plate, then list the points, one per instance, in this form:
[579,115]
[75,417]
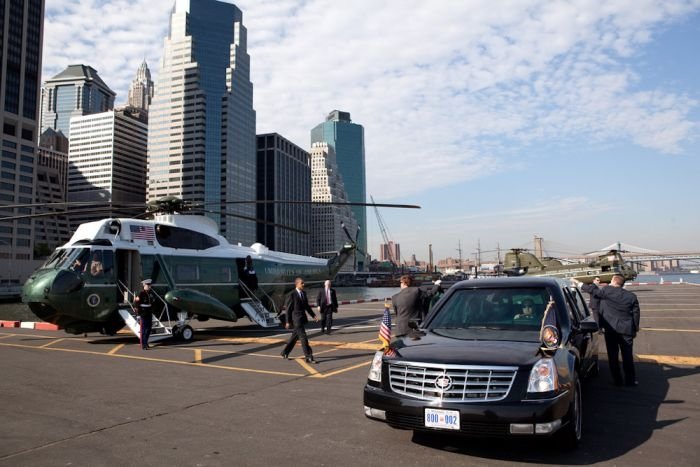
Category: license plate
[438,418]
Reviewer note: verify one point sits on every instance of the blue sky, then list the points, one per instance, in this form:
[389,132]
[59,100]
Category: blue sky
[575,121]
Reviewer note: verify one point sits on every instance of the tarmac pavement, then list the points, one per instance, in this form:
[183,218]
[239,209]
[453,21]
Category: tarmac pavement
[228,398]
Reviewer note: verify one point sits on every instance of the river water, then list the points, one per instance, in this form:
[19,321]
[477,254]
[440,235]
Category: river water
[19,311]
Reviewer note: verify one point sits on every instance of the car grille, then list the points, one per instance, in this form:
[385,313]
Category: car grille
[451,383]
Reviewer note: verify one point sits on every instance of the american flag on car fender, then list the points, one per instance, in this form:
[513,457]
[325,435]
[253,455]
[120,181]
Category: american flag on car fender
[385,326]
[142,232]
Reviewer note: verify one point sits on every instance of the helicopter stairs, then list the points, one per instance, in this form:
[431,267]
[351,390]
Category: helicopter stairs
[159,331]
[255,309]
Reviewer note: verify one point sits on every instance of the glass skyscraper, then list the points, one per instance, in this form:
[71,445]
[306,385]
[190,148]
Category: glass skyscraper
[21,29]
[348,141]
[76,91]
[201,143]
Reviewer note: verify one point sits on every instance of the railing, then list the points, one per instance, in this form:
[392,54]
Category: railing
[128,293]
[257,302]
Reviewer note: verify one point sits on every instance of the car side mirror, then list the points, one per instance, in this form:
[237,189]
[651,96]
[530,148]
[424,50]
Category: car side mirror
[589,325]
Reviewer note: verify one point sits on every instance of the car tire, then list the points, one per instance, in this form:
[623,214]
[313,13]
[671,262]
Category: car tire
[571,434]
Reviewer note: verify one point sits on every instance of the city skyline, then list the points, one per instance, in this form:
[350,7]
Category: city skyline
[578,123]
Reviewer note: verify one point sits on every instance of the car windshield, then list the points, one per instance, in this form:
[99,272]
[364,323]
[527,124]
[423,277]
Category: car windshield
[485,311]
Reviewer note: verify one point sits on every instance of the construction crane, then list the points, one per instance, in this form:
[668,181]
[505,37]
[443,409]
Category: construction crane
[385,237]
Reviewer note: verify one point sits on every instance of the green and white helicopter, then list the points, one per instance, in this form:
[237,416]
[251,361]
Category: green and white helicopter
[88,284]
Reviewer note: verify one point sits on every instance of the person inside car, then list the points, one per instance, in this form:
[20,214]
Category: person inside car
[528,310]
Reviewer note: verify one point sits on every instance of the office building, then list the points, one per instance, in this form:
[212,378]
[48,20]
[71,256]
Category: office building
[327,222]
[51,176]
[201,144]
[141,88]
[20,73]
[78,90]
[107,161]
[284,174]
[390,252]
[348,142]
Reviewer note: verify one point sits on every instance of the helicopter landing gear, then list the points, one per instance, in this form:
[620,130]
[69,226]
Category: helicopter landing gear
[186,333]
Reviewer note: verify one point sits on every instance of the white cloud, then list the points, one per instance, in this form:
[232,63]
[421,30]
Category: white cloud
[442,88]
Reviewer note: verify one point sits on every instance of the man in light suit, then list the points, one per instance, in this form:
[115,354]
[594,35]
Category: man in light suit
[619,316]
[296,306]
[327,302]
[408,305]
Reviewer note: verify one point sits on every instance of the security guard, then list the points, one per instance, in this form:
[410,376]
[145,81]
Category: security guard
[145,301]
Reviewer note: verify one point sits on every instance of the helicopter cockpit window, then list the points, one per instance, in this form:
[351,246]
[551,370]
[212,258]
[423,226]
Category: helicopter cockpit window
[177,237]
[56,258]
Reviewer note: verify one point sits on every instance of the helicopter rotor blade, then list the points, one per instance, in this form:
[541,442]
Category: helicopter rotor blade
[321,203]
[56,213]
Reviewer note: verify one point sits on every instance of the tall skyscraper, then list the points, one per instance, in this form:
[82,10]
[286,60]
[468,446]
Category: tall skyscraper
[327,221]
[78,90]
[20,68]
[201,144]
[284,174]
[107,160]
[141,88]
[348,141]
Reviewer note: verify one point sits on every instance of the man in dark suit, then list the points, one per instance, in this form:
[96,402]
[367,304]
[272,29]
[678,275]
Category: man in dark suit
[296,306]
[619,317]
[327,302]
[408,305]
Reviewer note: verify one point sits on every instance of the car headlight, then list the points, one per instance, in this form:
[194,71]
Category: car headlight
[375,370]
[543,376]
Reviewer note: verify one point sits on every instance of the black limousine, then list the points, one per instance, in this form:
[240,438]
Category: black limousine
[499,357]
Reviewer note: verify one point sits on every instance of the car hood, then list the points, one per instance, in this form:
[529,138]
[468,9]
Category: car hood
[431,348]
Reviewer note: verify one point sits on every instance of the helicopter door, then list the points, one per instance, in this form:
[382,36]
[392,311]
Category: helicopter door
[129,269]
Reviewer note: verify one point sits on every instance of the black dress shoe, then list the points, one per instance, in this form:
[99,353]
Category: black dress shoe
[632,383]
[311,360]
[284,355]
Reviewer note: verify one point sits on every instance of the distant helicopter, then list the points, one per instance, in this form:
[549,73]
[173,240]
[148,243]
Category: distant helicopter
[194,269]
[519,262]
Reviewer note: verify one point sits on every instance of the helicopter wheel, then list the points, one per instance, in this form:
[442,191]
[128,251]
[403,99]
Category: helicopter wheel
[186,333]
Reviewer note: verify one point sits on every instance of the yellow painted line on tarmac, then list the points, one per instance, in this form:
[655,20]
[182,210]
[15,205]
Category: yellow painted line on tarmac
[343,370]
[670,330]
[116,349]
[159,360]
[51,343]
[307,367]
[313,343]
[3,336]
[198,356]
[671,359]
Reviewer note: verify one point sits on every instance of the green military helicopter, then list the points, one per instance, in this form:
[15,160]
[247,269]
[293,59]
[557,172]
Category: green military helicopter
[519,262]
[88,284]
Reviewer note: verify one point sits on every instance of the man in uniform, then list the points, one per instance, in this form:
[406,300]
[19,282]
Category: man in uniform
[327,301]
[249,277]
[145,302]
[296,306]
[619,317]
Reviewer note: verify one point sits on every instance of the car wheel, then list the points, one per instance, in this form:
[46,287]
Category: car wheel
[571,433]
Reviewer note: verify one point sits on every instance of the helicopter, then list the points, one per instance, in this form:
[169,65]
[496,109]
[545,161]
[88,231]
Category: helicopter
[519,262]
[87,284]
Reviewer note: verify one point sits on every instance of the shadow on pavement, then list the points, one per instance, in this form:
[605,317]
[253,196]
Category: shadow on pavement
[616,420]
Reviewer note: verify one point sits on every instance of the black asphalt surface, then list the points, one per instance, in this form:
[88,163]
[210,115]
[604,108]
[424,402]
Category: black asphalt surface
[229,399]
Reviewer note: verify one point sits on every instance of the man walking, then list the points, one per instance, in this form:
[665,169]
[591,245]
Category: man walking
[296,306]
[327,304]
[619,317]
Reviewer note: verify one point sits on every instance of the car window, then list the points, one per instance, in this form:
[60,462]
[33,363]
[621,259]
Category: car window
[575,314]
[516,308]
